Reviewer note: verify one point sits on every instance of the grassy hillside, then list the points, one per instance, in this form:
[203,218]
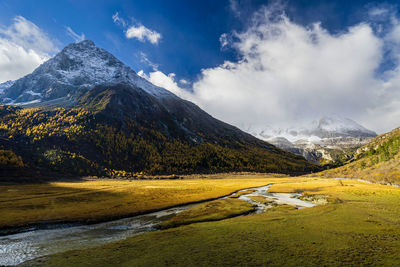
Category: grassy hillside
[379,160]
[84,141]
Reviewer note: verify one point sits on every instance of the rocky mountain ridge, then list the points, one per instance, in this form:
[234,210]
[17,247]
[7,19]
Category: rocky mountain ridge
[321,141]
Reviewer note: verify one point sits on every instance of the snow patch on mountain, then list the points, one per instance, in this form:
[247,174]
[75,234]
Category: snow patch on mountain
[26,103]
[5,85]
[33,93]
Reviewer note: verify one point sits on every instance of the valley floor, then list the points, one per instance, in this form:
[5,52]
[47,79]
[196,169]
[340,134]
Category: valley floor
[355,223]
[94,200]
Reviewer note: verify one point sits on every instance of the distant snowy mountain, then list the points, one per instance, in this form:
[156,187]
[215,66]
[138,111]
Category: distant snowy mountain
[335,126]
[320,140]
[72,72]
[325,127]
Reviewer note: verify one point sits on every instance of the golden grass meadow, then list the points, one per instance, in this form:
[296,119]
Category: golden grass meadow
[358,224]
[98,200]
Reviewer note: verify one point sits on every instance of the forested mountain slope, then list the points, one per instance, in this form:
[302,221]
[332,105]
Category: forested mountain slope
[84,112]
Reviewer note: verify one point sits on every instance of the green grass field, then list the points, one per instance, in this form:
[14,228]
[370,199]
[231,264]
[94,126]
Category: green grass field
[359,226]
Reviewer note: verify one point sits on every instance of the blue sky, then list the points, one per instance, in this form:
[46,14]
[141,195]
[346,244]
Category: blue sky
[190,30]
[247,62]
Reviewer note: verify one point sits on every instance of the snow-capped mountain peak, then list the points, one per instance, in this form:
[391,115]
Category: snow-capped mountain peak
[78,67]
[320,139]
[325,127]
[340,125]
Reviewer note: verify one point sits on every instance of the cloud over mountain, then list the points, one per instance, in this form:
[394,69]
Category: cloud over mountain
[77,38]
[288,73]
[23,47]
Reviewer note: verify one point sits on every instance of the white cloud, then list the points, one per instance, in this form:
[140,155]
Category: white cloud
[138,31]
[118,20]
[166,81]
[147,61]
[234,6]
[23,47]
[378,11]
[290,74]
[223,40]
[142,33]
[74,35]
[184,82]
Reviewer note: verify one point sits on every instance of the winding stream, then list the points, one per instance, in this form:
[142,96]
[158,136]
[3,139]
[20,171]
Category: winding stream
[291,199]
[17,248]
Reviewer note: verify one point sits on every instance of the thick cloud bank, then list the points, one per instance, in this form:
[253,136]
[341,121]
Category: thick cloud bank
[289,74]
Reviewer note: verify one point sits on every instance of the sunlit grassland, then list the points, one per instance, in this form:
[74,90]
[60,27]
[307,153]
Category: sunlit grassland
[94,200]
[359,226]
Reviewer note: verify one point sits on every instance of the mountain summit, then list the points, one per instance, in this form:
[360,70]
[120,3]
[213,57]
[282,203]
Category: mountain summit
[94,115]
[78,67]
[336,126]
